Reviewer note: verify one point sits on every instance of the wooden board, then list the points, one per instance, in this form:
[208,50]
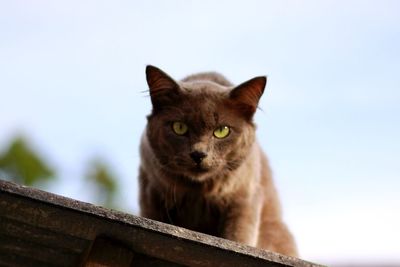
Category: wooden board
[38,228]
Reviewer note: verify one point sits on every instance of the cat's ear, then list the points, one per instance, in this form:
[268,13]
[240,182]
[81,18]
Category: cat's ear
[163,89]
[247,95]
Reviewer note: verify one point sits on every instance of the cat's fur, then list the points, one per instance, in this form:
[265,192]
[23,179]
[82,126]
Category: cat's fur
[230,193]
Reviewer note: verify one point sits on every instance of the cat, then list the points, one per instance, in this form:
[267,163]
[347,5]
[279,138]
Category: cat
[201,166]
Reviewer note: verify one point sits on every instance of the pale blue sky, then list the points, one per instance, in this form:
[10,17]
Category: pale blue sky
[71,73]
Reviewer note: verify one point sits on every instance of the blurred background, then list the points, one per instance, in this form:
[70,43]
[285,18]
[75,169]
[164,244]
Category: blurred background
[72,109]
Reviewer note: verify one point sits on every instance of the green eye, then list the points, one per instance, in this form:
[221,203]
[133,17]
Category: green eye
[179,128]
[222,132]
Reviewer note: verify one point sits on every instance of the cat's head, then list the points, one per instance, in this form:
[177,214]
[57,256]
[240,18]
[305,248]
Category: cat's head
[201,129]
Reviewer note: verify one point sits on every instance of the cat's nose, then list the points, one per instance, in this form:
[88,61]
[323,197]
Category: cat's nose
[198,156]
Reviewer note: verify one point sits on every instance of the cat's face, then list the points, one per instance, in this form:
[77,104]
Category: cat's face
[200,130]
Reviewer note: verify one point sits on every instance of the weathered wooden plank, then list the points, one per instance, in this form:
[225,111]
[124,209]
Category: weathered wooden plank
[45,237]
[42,215]
[107,252]
[154,239]
[141,260]
[15,260]
[36,251]
[190,253]
[176,249]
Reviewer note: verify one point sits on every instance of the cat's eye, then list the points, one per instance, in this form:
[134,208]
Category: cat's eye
[222,132]
[179,128]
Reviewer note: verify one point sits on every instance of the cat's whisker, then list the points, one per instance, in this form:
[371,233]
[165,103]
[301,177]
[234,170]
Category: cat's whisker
[175,201]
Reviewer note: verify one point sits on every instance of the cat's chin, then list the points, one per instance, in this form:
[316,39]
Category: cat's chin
[198,174]
[192,174]
[197,170]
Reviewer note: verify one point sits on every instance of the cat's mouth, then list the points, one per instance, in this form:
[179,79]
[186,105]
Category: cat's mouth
[199,169]
[194,170]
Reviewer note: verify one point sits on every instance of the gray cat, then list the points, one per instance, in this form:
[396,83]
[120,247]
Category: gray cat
[201,166]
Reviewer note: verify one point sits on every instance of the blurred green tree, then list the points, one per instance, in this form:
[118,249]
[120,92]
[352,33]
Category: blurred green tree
[104,183]
[23,165]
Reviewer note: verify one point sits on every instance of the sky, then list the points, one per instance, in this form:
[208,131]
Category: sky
[72,76]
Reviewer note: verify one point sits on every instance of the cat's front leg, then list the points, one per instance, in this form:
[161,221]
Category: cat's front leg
[242,223]
[151,204]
